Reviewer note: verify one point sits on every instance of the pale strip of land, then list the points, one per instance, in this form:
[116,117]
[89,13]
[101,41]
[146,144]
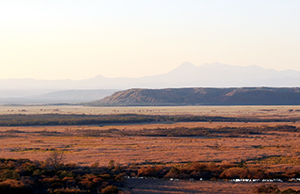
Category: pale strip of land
[228,111]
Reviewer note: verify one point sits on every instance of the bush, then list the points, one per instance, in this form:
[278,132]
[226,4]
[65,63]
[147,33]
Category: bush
[110,190]
[9,174]
[55,158]
[95,165]
[195,166]
[151,171]
[234,173]
[256,173]
[14,187]
[173,173]
[273,189]
[68,191]
[268,189]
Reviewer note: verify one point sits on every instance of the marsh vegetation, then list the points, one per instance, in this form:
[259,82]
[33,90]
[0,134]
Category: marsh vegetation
[210,151]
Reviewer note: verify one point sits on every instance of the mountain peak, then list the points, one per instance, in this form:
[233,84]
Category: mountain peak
[183,69]
[216,65]
[186,65]
[98,77]
[185,75]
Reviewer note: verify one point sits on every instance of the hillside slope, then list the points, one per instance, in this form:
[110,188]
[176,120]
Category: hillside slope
[203,96]
[63,96]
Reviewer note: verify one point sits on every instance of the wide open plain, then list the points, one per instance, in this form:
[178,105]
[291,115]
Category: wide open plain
[276,150]
[233,111]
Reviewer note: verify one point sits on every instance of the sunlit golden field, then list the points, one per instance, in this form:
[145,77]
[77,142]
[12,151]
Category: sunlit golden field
[127,150]
[276,151]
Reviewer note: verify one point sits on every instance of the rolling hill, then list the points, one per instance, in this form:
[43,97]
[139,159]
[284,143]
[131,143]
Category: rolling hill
[203,96]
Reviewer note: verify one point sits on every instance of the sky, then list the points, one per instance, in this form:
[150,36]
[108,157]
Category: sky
[76,39]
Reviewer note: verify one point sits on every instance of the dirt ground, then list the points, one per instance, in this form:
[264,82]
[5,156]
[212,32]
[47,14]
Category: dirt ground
[151,186]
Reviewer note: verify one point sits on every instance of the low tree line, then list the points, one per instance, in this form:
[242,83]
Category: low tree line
[273,189]
[187,132]
[54,177]
[213,171]
[82,119]
[23,176]
[164,132]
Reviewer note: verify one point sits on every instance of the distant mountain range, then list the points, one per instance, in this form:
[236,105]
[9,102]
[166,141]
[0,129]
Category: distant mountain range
[219,75]
[186,75]
[64,96]
[202,96]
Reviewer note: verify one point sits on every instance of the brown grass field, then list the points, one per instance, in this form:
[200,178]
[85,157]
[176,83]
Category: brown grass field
[36,143]
[127,150]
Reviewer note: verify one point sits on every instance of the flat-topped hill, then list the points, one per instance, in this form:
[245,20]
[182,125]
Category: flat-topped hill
[203,96]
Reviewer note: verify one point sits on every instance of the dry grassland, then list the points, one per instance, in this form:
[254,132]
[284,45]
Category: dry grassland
[228,111]
[36,143]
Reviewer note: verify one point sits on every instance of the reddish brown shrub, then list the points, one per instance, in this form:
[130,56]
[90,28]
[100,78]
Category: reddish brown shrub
[14,187]
[195,166]
[173,173]
[153,171]
[268,189]
[110,190]
[255,173]
[234,173]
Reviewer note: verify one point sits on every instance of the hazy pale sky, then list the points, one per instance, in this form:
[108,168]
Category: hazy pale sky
[72,39]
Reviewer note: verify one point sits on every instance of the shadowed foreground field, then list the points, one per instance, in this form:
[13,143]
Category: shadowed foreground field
[146,186]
